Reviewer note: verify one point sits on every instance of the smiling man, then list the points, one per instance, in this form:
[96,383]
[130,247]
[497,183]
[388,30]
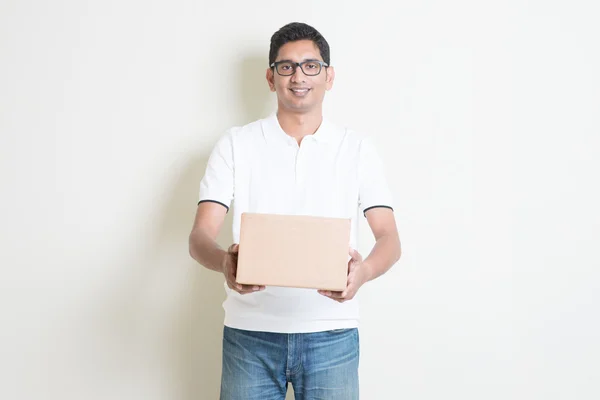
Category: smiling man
[294,162]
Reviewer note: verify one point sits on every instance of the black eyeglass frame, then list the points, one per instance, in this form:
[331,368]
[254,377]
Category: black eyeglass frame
[295,66]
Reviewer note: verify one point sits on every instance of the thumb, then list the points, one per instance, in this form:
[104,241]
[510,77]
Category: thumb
[234,248]
[355,255]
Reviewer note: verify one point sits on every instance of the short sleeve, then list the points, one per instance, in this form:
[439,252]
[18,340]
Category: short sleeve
[373,186]
[217,183]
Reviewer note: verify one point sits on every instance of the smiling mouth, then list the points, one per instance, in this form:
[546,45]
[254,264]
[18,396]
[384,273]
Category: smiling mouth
[300,91]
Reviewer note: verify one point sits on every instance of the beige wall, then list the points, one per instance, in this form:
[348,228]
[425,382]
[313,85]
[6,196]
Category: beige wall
[485,115]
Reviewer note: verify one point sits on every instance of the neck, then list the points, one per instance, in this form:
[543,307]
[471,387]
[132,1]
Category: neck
[298,125]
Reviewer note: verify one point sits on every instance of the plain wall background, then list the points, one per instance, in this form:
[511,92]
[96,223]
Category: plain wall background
[486,116]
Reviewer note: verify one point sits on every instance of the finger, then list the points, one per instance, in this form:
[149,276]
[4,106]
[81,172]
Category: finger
[231,273]
[351,266]
[252,288]
[244,289]
[331,294]
[333,297]
[350,279]
[232,283]
[240,288]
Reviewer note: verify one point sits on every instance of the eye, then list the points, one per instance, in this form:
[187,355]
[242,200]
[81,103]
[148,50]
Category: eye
[312,65]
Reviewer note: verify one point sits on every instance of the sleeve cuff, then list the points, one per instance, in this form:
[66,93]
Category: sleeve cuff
[214,201]
[377,206]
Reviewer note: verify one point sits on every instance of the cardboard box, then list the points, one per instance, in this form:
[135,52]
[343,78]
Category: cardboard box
[293,251]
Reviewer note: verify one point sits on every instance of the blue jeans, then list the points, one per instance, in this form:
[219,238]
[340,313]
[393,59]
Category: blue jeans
[259,365]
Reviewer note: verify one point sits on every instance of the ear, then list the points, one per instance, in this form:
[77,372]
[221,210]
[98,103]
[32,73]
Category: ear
[270,79]
[330,76]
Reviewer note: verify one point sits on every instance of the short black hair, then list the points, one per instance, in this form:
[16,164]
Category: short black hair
[298,31]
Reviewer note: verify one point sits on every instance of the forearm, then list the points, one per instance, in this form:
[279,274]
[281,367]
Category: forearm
[385,253]
[205,250]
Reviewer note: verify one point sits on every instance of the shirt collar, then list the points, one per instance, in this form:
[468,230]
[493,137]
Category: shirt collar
[273,131]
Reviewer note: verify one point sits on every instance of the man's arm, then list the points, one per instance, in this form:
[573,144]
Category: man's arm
[387,249]
[384,254]
[202,241]
[204,248]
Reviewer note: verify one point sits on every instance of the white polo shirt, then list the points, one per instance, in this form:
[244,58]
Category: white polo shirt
[259,168]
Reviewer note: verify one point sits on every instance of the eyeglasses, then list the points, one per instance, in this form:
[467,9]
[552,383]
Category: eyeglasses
[310,68]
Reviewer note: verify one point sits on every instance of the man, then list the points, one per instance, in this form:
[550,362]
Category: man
[294,162]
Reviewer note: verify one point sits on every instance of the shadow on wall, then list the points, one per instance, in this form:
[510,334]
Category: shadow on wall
[195,338]
[199,323]
[256,101]
[157,327]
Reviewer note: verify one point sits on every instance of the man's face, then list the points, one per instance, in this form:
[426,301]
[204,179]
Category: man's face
[300,92]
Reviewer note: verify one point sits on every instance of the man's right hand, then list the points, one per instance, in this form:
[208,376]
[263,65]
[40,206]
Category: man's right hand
[229,267]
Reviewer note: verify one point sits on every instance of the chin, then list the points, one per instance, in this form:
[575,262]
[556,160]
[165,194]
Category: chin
[298,106]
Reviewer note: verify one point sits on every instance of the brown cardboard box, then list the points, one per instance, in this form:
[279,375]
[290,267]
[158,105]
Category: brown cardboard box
[294,251]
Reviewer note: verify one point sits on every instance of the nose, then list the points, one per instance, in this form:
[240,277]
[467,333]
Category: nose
[298,75]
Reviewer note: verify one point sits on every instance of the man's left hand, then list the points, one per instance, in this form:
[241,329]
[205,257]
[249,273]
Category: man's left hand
[358,274]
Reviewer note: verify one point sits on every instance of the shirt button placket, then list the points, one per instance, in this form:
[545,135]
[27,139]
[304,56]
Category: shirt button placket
[302,158]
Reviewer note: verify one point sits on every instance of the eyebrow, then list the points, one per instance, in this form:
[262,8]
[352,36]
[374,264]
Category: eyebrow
[306,59]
